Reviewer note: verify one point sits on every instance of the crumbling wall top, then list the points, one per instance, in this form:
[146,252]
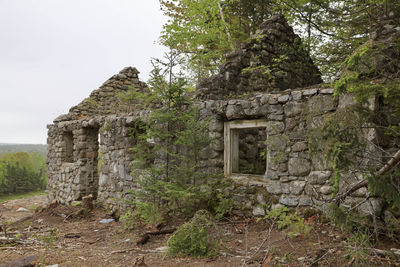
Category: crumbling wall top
[274,59]
[106,100]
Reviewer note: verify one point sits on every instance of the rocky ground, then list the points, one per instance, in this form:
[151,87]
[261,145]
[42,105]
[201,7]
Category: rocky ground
[61,235]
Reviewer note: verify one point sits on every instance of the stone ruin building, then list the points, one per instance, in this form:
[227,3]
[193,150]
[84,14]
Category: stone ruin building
[261,93]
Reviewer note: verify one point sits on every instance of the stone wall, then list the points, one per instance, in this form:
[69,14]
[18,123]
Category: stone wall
[292,176]
[279,119]
[251,105]
[89,148]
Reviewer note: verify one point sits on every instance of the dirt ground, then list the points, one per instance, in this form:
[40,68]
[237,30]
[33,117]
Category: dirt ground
[57,235]
[8,209]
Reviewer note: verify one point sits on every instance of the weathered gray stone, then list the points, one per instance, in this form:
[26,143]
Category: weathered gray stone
[305,201]
[310,92]
[294,108]
[326,189]
[319,177]
[296,95]
[275,127]
[216,126]
[326,91]
[275,117]
[283,98]
[276,187]
[285,179]
[345,100]
[300,146]
[296,187]
[320,104]
[257,211]
[275,109]
[291,201]
[260,199]
[234,112]
[299,166]
[373,207]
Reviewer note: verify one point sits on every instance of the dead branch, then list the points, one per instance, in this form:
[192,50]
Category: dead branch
[146,236]
[263,242]
[315,262]
[124,250]
[354,187]
[73,235]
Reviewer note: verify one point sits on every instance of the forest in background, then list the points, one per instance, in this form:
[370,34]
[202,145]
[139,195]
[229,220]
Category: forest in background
[22,168]
[30,148]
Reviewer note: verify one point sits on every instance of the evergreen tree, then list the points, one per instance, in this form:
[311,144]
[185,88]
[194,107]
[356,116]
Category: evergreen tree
[167,150]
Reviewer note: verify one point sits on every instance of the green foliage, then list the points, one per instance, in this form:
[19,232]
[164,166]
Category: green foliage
[167,151]
[129,220]
[339,139]
[359,243]
[205,30]
[22,172]
[386,186]
[194,238]
[343,219]
[344,138]
[48,239]
[292,222]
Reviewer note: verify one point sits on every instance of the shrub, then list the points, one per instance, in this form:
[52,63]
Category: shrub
[292,222]
[194,238]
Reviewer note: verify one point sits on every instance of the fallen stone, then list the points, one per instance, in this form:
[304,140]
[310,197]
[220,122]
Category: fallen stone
[106,221]
[257,211]
[22,210]
[161,249]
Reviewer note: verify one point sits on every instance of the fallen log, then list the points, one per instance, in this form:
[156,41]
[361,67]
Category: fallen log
[146,236]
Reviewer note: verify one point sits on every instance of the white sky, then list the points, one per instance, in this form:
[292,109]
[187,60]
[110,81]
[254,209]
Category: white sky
[53,53]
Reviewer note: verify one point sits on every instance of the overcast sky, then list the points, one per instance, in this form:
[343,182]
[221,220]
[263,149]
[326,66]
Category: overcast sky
[53,53]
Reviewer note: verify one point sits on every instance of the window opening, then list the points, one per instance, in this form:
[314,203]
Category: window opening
[68,139]
[252,150]
[245,147]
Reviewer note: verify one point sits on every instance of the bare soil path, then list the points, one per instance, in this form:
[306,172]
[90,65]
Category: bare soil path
[57,235]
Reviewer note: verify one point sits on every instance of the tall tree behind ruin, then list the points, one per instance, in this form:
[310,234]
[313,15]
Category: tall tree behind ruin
[205,30]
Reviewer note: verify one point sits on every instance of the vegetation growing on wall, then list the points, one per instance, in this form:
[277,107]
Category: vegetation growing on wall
[361,139]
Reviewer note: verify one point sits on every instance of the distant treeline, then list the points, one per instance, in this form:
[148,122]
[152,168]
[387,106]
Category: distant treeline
[22,172]
[14,148]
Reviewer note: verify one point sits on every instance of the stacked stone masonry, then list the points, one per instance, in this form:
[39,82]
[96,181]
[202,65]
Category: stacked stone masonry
[89,149]
[290,174]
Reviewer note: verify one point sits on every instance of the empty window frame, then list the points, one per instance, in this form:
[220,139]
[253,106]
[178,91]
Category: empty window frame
[68,148]
[244,147]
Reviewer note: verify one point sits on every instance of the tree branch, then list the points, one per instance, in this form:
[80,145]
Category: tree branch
[354,187]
